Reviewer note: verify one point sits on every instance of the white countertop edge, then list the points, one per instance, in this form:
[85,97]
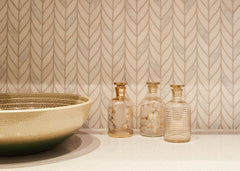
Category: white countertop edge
[193,131]
[93,149]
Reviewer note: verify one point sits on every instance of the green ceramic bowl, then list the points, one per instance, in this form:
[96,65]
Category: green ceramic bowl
[31,123]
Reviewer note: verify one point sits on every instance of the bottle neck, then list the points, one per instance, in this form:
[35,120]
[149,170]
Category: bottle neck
[152,90]
[177,94]
[120,91]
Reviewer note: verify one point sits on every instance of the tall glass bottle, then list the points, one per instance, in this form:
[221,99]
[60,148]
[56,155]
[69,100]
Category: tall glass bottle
[177,117]
[151,112]
[120,113]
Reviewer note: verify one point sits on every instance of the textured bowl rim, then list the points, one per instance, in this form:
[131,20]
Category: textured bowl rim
[89,101]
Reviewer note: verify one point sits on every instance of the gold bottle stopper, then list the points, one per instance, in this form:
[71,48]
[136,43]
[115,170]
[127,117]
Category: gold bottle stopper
[153,87]
[177,90]
[120,89]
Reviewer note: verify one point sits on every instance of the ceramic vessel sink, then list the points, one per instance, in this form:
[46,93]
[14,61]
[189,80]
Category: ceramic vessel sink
[31,123]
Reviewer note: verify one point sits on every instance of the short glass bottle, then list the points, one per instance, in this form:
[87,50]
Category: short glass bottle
[152,113]
[120,113]
[177,118]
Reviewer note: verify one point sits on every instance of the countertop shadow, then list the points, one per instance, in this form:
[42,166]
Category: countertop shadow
[78,145]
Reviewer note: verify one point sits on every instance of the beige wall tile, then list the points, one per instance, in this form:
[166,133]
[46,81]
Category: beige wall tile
[83,46]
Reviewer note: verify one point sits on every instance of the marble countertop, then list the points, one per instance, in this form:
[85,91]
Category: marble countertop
[93,150]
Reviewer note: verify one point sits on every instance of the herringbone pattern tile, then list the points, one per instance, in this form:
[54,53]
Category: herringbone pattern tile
[83,46]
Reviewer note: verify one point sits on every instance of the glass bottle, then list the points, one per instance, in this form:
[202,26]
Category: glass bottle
[120,113]
[177,118]
[151,113]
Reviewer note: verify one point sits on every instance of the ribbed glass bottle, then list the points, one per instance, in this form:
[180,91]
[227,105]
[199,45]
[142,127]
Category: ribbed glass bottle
[120,114]
[151,112]
[177,118]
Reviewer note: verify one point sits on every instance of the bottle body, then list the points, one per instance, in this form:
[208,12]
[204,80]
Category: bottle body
[151,117]
[151,113]
[120,117]
[177,119]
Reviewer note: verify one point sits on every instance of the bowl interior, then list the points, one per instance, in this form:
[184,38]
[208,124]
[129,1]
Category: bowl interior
[38,101]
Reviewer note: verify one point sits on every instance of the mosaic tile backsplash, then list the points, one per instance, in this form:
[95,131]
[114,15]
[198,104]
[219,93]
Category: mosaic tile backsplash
[83,46]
